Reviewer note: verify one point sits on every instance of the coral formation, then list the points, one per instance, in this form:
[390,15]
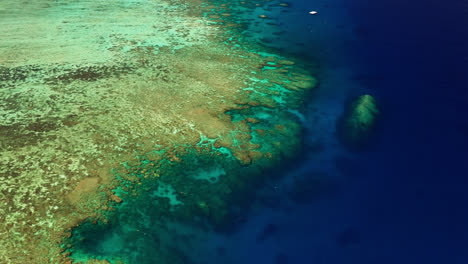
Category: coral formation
[358,122]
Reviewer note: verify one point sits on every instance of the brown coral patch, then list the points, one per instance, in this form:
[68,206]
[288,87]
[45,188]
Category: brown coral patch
[242,157]
[281,128]
[210,125]
[84,189]
[252,120]
[255,155]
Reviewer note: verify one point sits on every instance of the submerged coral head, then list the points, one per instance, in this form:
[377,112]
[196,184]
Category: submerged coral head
[358,122]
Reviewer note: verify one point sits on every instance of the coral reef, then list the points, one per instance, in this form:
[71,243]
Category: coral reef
[150,109]
[358,122]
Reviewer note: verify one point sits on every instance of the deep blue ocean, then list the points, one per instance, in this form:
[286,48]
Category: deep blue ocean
[404,198]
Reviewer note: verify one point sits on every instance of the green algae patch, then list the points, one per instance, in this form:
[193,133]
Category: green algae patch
[359,121]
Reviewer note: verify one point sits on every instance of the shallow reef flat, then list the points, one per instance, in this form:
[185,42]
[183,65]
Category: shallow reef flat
[104,105]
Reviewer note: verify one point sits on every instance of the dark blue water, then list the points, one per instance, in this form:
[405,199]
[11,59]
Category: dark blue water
[404,198]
